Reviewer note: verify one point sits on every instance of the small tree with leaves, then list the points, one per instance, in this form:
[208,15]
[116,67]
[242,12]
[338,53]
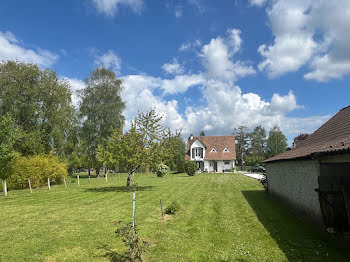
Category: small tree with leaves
[143,145]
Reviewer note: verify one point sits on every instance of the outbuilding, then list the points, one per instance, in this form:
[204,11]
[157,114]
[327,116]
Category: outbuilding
[314,177]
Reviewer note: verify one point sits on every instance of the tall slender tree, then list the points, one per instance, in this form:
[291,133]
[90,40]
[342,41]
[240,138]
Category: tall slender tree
[241,135]
[101,111]
[277,142]
[201,133]
[258,141]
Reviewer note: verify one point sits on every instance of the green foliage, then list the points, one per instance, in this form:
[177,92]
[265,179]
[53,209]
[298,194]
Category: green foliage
[277,142]
[162,170]
[132,241]
[190,167]
[37,168]
[100,110]
[176,150]
[145,144]
[180,166]
[40,104]
[258,141]
[8,135]
[201,133]
[241,135]
[173,208]
[253,160]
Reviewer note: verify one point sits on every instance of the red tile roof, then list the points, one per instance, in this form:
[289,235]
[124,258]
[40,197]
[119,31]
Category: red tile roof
[333,136]
[217,142]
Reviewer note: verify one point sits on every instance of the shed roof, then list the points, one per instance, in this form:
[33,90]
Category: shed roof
[217,142]
[333,136]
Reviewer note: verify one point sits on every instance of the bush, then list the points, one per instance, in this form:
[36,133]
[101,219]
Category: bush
[173,208]
[162,169]
[37,169]
[190,167]
[180,166]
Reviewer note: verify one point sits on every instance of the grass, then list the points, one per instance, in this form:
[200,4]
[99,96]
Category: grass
[223,217]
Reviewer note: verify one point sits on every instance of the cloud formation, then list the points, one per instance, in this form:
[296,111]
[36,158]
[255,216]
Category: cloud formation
[109,60]
[110,7]
[12,49]
[308,33]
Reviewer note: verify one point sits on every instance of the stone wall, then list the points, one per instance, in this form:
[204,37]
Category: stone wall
[295,182]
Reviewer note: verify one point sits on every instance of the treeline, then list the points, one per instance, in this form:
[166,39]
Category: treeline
[39,118]
[255,146]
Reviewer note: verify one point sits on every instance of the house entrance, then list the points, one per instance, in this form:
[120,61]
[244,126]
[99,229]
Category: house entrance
[334,195]
[216,166]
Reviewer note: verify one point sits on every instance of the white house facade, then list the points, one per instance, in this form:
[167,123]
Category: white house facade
[212,153]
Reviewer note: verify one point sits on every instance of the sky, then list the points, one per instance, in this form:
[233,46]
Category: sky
[202,64]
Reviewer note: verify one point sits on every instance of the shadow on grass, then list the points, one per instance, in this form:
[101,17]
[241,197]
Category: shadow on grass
[117,189]
[113,255]
[299,239]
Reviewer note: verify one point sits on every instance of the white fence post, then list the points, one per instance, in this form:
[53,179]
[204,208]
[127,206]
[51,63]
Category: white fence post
[48,183]
[30,186]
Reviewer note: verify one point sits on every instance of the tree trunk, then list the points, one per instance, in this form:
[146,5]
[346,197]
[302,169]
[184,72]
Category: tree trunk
[97,172]
[4,188]
[128,181]
[89,172]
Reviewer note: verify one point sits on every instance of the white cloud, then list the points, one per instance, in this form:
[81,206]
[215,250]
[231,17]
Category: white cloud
[110,7]
[308,32]
[178,11]
[217,57]
[173,68]
[109,60]
[10,49]
[75,85]
[223,105]
[257,2]
[188,45]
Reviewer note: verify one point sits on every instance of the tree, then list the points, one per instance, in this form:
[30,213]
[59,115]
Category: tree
[201,133]
[258,141]
[241,136]
[39,103]
[101,110]
[143,145]
[175,157]
[8,136]
[277,142]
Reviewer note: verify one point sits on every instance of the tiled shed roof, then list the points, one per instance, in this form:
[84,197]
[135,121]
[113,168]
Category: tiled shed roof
[217,142]
[332,136]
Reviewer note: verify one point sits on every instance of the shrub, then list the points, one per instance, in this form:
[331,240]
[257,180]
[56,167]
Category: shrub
[37,169]
[162,169]
[180,166]
[173,208]
[190,167]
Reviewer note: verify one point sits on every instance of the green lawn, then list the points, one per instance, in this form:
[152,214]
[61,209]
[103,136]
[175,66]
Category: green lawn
[224,217]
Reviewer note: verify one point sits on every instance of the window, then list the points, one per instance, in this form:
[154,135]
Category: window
[197,151]
[226,150]
[227,162]
[213,150]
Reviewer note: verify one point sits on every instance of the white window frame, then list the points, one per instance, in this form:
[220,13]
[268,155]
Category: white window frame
[226,150]
[213,150]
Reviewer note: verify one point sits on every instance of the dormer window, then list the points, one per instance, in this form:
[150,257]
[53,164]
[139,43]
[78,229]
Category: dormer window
[226,150]
[213,150]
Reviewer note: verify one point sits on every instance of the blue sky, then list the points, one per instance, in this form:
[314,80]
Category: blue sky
[204,65]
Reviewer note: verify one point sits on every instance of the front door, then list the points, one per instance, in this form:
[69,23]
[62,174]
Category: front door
[216,166]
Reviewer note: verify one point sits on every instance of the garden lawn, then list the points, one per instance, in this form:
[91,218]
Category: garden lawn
[224,217]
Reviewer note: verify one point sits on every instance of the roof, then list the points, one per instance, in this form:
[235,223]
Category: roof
[217,142]
[333,136]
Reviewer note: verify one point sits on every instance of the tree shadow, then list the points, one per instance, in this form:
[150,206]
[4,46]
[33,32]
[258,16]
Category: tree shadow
[299,239]
[117,189]
[113,255]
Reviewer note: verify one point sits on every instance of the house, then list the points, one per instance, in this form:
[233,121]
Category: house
[212,153]
[314,177]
